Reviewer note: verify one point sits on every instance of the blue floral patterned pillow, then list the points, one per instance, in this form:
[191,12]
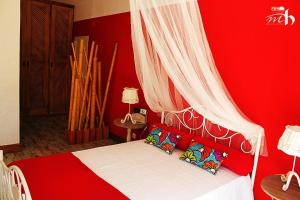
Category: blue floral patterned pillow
[204,157]
[163,139]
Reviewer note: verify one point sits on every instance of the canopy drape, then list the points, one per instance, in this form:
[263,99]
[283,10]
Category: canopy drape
[171,49]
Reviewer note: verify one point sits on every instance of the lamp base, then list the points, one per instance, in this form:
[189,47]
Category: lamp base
[287,179]
[128,116]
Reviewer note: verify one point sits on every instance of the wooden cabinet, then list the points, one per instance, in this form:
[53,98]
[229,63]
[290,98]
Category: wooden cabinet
[61,38]
[35,57]
[46,35]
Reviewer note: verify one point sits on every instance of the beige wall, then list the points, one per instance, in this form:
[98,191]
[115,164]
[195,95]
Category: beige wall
[86,9]
[9,71]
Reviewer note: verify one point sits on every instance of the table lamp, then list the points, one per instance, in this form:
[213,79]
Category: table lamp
[289,143]
[129,96]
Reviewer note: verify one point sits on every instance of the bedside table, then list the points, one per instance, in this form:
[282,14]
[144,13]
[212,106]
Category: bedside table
[272,186]
[129,126]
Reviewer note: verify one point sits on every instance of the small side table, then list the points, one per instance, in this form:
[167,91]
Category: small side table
[129,126]
[272,186]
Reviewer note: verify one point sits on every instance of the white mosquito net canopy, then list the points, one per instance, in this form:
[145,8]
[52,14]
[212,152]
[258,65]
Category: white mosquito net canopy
[173,61]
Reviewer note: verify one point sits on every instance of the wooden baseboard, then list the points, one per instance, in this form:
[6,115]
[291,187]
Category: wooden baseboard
[12,148]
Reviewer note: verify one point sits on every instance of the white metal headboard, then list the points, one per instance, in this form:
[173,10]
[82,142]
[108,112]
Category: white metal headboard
[13,185]
[183,119]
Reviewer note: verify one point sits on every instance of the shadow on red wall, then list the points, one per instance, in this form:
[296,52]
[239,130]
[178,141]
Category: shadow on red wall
[259,64]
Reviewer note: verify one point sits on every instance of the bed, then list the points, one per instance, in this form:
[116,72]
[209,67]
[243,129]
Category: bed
[139,178]
[132,170]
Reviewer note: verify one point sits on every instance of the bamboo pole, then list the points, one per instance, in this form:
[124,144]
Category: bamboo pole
[76,65]
[72,92]
[93,106]
[73,101]
[99,88]
[76,93]
[86,84]
[98,105]
[108,85]
[93,96]
[88,110]
[83,114]
[86,130]
[73,118]
[94,93]
[80,60]
[100,128]
[71,133]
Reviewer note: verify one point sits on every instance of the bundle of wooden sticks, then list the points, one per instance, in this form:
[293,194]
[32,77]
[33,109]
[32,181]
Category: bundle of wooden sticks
[87,107]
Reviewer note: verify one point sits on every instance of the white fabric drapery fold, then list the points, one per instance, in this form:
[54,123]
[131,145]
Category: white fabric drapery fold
[170,44]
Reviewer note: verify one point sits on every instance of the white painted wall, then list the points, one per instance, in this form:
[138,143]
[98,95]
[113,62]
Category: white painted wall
[86,9]
[9,71]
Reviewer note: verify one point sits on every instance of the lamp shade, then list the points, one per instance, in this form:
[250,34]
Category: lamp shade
[289,142]
[130,95]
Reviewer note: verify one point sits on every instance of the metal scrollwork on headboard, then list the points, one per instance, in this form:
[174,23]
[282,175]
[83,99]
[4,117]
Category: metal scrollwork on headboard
[196,123]
[169,119]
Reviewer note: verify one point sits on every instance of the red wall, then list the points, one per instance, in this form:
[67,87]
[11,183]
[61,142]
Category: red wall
[259,64]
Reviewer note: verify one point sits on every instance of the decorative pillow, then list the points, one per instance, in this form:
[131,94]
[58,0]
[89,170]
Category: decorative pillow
[163,139]
[238,162]
[204,157]
[185,140]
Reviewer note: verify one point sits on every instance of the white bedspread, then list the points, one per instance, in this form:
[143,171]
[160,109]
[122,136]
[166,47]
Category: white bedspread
[142,171]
